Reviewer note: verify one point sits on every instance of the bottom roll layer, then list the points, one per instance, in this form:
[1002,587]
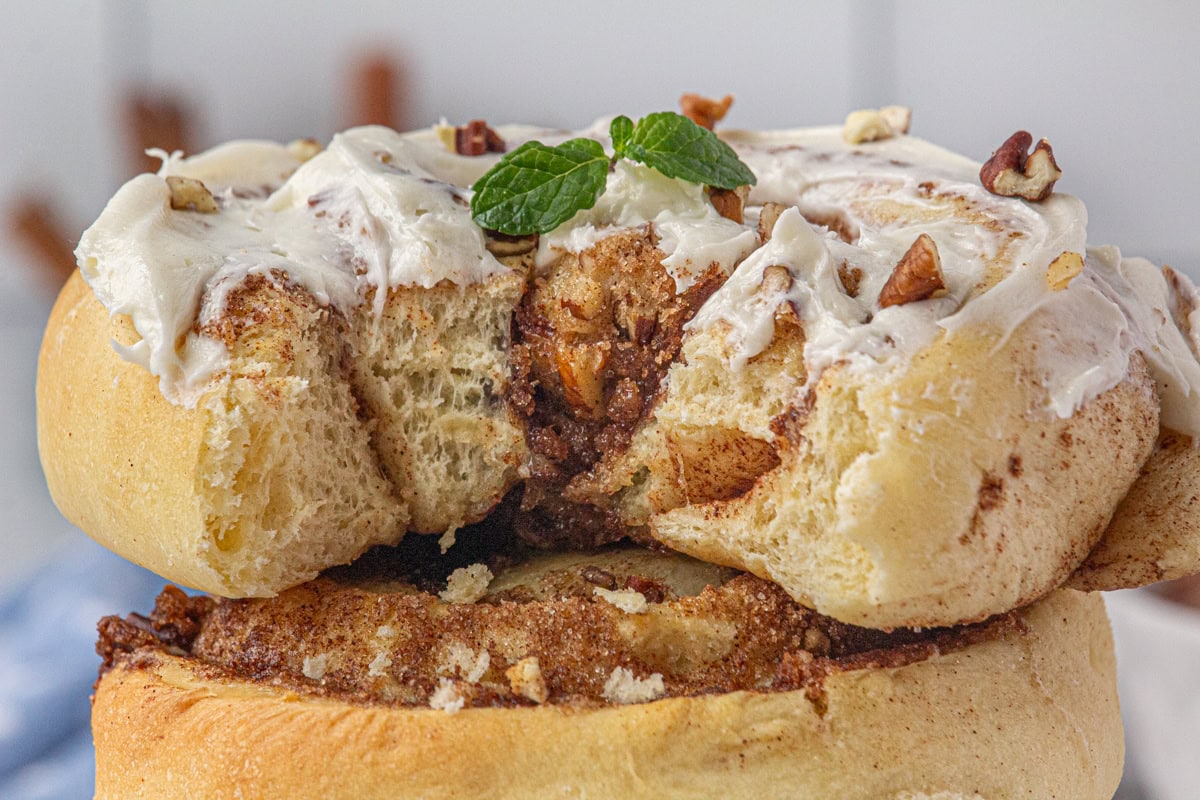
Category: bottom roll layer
[698,691]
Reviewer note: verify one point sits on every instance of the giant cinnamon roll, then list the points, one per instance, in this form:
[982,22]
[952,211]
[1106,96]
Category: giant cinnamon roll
[902,397]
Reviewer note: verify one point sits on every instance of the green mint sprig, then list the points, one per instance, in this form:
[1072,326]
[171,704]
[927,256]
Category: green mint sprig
[536,188]
[679,148]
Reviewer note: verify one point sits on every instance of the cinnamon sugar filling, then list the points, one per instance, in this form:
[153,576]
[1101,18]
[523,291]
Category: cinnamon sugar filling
[548,630]
[593,340]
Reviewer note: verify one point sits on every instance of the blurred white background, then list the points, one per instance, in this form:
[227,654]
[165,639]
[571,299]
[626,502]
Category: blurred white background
[1114,86]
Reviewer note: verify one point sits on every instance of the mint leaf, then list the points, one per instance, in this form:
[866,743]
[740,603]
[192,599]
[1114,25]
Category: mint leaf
[536,188]
[679,148]
[620,131]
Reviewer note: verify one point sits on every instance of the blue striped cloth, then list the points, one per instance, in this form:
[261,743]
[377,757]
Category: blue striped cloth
[48,663]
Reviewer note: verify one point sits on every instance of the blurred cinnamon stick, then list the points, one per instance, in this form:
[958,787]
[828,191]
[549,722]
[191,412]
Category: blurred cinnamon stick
[378,92]
[155,119]
[35,223]
[1183,590]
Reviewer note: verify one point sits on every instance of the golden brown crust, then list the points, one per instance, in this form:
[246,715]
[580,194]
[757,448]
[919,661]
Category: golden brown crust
[101,425]
[198,494]
[1155,533]
[961,722]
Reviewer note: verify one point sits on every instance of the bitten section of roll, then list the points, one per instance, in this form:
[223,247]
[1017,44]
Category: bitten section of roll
[239,494]
[955,723]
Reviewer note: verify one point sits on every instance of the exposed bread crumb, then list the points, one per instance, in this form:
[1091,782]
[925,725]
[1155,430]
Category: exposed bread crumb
[447,697]
[628,600]
[816,641]
[385,632]
[446,540]
[624,687]
[315,666]
[467,584]
[445,134]
[898,118]
[525,678]
[465,663]
[304,149]
[866,125]
[1063,270]
[379,666]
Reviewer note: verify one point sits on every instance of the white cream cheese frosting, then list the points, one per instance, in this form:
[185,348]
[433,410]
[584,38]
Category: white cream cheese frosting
[378,209]
[373,209]
[995,252]
[691,233]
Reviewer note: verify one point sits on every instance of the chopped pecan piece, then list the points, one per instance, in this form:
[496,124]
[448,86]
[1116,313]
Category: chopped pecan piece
[776,279]
[851,278]
[580,367]
[767,218]
[189,194]
[704,111]
[1013,171]
[836,221]
[476,138]
[638,327]
[584,299]
[599,577]
[654,591]
[917,276]
[729,203]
